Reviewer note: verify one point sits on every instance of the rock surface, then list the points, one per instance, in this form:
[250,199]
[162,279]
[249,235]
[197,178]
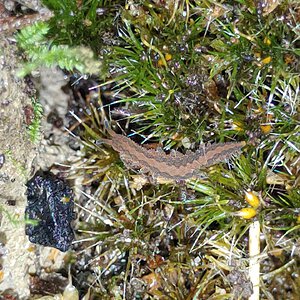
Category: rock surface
[18,153]
[20,159]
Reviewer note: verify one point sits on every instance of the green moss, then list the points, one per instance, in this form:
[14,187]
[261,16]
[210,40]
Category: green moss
[41,53]
[190,72]
[35,126]
[82,23]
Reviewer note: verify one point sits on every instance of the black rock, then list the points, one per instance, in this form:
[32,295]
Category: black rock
[50,207]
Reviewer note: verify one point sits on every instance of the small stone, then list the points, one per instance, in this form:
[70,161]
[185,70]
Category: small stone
[50,214]
[2,160]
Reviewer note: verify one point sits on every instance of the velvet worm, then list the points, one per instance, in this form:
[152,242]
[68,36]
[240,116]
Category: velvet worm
[174,166]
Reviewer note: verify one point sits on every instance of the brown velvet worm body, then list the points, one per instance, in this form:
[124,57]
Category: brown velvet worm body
[173,166]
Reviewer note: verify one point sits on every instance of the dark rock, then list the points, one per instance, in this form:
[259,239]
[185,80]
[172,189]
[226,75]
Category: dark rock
[50,206]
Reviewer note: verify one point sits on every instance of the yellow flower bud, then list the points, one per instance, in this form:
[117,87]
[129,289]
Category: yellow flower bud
[168,56]
[160,63]
[246,213]
[266,128]
[237,126]
[267,60]
[252,199]
[267,41]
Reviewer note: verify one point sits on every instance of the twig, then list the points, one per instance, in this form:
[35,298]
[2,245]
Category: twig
[254,251]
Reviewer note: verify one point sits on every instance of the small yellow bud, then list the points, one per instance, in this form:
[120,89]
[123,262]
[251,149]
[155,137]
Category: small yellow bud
[168,56]
[267,41]
[237,126]
[298,219]
[252,199]
[160,63]
[246,213]
[266,128]
[267,60]
[65,199]
[257,54]
[31,248]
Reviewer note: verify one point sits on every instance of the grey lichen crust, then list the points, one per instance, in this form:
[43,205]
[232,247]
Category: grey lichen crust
[18,153]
